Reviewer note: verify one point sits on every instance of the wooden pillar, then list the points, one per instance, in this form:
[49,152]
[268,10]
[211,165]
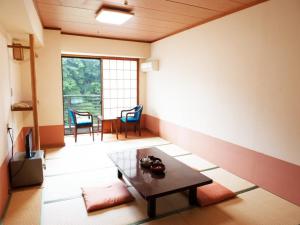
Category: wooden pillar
[34,96]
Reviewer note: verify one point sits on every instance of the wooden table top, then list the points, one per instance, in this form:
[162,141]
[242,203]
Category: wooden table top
[177,176]
[107,118]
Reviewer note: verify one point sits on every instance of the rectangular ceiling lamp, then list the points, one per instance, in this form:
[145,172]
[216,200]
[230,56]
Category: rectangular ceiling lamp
[112,16]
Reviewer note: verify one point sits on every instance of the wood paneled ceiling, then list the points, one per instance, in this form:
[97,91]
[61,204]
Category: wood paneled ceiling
[152,21]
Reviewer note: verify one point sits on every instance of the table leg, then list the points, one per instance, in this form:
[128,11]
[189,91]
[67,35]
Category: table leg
[151,207]
[120,175]
[193,196]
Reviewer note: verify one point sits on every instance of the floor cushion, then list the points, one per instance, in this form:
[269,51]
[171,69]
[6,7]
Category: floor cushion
[213,193]
[106,196]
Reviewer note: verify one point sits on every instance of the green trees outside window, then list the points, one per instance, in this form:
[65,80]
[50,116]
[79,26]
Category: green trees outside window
[81,85]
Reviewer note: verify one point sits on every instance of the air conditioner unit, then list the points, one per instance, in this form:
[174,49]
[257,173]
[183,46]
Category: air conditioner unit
[149,66]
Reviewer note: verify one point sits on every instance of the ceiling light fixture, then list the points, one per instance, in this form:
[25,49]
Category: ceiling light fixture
[113,16]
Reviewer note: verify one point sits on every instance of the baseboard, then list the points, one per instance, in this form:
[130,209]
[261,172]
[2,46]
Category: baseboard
[54,145]
[275,175]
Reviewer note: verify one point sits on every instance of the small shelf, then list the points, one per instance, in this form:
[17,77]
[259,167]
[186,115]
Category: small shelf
[22,106]
[21,109]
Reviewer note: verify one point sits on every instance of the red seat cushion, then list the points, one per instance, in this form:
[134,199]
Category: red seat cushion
[106,196]
[213,193]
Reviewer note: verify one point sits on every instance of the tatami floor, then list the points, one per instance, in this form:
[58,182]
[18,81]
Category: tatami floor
[59,202]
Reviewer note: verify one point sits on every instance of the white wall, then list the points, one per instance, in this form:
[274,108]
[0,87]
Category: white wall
[10,78]
[143,87]
[104,47]
[236,78]
[49,80]
[34,20]
[20,18]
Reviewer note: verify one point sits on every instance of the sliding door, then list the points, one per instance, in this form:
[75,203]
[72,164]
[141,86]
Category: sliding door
[101,86]
[120,85]
[81,87]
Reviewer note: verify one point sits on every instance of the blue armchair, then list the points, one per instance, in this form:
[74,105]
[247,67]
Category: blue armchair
[81,120]
[132,116]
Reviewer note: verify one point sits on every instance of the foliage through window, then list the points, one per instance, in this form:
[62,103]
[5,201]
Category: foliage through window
[81,85]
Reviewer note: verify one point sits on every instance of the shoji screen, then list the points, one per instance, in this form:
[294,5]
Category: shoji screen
[119,86]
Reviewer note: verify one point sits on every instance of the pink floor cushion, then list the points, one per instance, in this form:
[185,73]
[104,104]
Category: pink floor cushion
[213,193]
[106,196]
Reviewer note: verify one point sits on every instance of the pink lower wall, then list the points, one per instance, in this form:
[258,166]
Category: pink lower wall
[52,136]
[275,175]
[4,186]
[4,174]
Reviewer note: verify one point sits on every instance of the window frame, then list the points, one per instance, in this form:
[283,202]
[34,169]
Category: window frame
[101,71]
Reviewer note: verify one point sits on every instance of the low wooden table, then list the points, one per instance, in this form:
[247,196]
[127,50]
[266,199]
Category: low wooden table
[177,177]
[113,123]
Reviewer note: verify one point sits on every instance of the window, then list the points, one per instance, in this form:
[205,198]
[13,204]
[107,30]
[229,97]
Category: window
[81,87]
[119,86]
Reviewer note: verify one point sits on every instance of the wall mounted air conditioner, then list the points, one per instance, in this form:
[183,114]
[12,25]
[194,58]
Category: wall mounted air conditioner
[149,66]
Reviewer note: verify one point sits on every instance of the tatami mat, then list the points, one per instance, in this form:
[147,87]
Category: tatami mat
[82,139]
[232,182]
[69,185]
[256,207]
[77,150]
[87,164]
[103,147]
[229,180]
[152,141]
[175,219]
[55,153]
[138,143]
[196,162]
[172,150]
[76,164]
[24,208]
[73,212]
[89,157]
[71,153]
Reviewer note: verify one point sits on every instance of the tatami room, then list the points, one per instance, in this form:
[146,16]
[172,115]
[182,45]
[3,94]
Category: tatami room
[184,113]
